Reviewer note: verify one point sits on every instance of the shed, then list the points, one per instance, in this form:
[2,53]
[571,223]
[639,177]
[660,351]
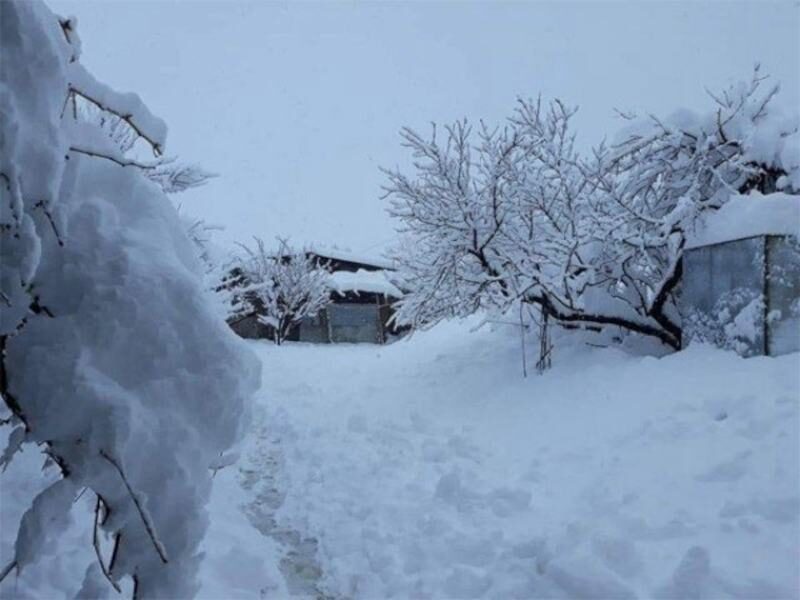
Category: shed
[360,309]
[741,276]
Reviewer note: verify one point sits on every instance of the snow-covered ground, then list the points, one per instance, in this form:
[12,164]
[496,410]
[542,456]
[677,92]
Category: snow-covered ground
[431,468]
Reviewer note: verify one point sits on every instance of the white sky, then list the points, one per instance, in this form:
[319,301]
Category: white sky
[296,105]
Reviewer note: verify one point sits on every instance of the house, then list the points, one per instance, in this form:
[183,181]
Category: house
[360,309]
[741,276]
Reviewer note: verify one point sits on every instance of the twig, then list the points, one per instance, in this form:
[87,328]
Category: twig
[8,568]
[66,29]
[46,211]
[38,308]
[125,162]
[125,117]
[5,394]
[115,551]
[145,519]
[96,544]
[66,103]
[522,342]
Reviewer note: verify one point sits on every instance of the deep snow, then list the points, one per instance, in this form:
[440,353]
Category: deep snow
[431,468]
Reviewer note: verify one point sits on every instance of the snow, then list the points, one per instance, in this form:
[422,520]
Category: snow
[29,137]
[432,468]
[426,468]
[347,255]
[113,359]
[746,216]
[364,281]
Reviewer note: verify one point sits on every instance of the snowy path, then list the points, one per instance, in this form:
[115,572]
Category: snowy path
[432,469]
[265,477]
[255,555]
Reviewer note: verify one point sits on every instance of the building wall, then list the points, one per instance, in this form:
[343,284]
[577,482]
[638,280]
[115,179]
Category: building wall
[355,323]
[783,295]
[722,295]
[250,328]
[743,295]
[314,329]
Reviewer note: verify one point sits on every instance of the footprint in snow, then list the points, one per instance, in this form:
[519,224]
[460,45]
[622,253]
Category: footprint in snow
[730,470]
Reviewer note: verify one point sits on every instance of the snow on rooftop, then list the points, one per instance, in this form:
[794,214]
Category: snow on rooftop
[748,216]
[364,281]
[346,255]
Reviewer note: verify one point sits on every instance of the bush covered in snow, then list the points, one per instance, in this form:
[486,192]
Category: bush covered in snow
[519,215]
[280,288]
[113,362]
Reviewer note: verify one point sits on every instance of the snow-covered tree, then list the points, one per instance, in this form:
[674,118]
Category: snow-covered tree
[518,215]
[111,360]
[662,174]
[281,288]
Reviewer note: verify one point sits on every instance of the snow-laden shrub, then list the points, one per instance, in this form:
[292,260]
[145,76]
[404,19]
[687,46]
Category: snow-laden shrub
[519,215]
[113,363]
[279,288]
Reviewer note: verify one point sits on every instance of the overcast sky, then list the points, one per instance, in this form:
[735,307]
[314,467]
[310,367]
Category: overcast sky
[296,105]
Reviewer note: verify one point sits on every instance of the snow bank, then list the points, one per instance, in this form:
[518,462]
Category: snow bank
[747,216]
[364,281]
[431,469]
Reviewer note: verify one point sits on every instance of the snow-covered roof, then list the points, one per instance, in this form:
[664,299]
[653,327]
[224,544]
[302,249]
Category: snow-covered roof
[364,281]
[748,216]
[346,255]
